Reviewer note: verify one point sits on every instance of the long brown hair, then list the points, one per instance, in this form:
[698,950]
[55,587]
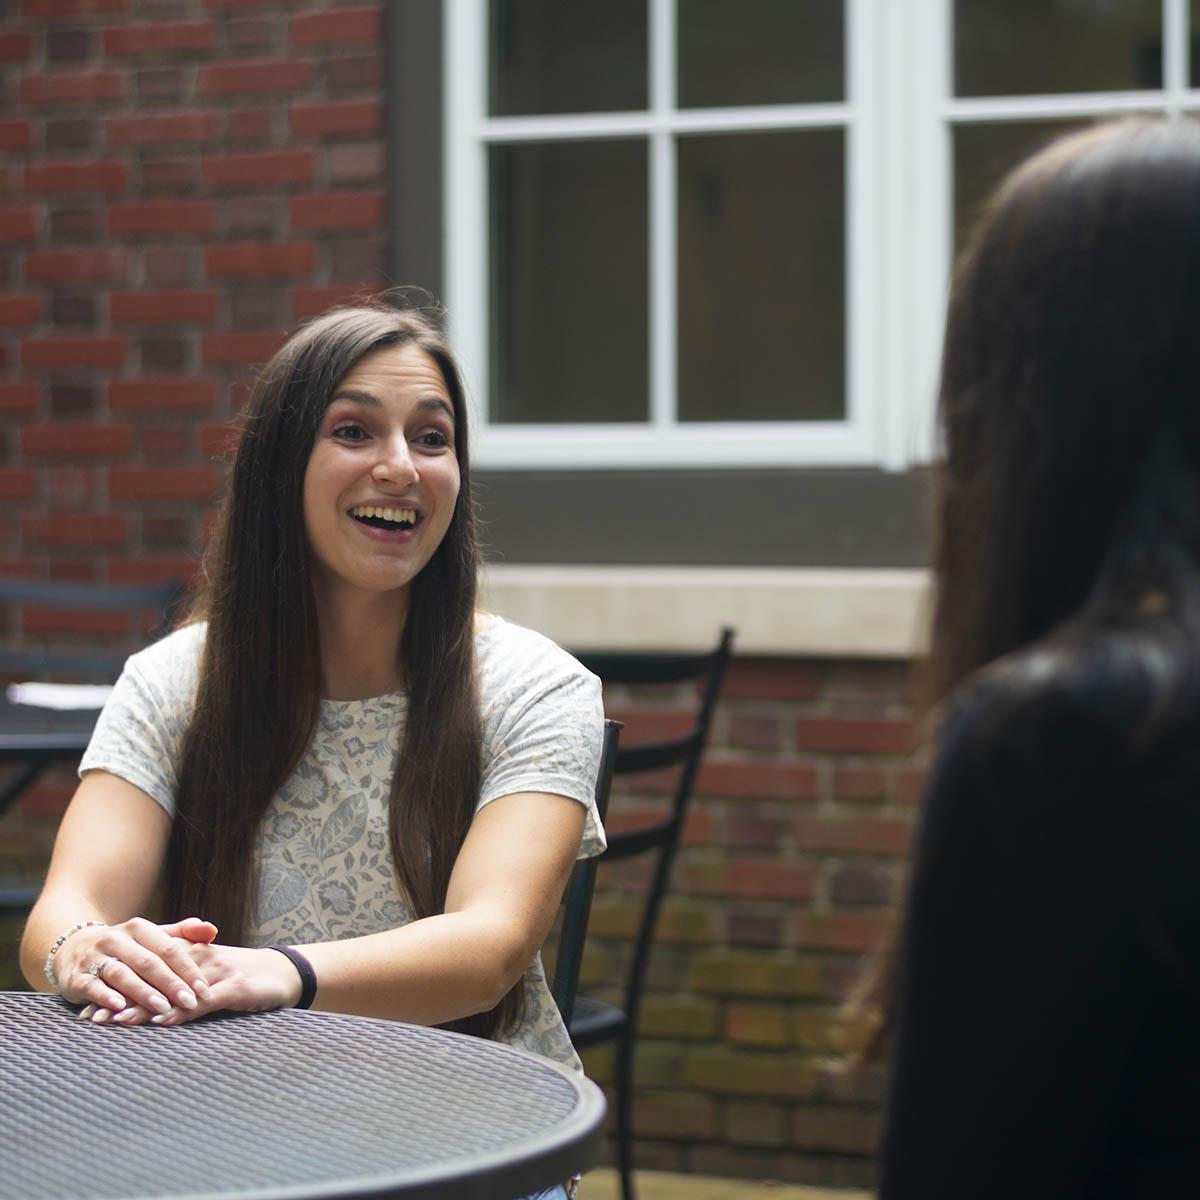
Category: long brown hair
[259,687]
[1068,501]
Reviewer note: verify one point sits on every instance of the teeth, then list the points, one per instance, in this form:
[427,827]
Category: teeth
[387,514]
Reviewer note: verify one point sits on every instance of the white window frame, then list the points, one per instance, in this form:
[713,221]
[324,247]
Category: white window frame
[899,118]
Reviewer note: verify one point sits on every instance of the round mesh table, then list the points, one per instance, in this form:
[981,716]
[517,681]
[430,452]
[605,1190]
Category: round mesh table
[279,1104]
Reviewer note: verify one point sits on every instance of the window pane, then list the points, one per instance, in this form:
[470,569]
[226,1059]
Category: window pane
[983,155]
[548,56]
[762,276]
[1022,47]
[569,282]
[760,52]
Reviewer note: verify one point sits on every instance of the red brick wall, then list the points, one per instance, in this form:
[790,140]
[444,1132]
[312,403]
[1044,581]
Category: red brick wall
[180,182]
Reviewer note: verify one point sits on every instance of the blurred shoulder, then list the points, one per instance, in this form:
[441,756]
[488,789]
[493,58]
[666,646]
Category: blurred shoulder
[509,654]
[172,661]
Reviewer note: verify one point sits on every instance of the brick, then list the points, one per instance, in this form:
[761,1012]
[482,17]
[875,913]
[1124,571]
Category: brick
[260,260]
[164,394]
[19,399]
[336,118]
[259,33]
[752,928]
[339,27]
[73,352]
[18,224]
[278,167]
[163,353]
[759,780]
[832,735]
[69,45]
[16,483]
[354,164]
[861,884]
[186,126]
[249,125]
[264,76]
[75,529]
[731,1073]
[166,443]
[170,532]
[352,73]
[871,683]
[859,785]
[239,348]
[755,1123]
[70,8]
[908,785]
[835,1129]
[77,177]
[651,725]
[768,878]
[677,1016]
[758,1024]
[73,400]
[148,38]
[819,833]
[252,308]
[338,210]
[163,307]
[162,83]
[162,216]
[16,134]
[83,623]
[754,830]
[72,487]
[839,931]
[674,1114]
[62,438]
[746,973]
[17,308]
[75,224]
[771,679]
[73,87]
[251,215]
[75,266]
[755,731]
[817,1028]
[15,47]
[312,301]
[45,800]
[70,133]
[154,568]
[171,266]
[163,483]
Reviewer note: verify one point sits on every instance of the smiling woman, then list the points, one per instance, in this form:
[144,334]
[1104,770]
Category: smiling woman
[339,758]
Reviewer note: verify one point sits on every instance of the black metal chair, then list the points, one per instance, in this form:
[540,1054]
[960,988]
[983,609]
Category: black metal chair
[577,898]
[31,739]
[592,1022]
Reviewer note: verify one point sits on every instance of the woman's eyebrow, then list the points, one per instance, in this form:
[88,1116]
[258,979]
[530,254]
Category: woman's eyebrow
[434,403]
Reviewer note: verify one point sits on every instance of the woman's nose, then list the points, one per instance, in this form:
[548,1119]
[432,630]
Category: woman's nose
[395,466]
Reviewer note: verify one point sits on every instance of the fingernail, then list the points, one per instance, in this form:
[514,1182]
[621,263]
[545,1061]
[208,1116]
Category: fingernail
[123,1018]
[158,1020]
[187,999]
[101,1016]
[87,1012]
[160,1004]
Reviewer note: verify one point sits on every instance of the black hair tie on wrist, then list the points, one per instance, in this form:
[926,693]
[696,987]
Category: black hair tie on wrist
[308,977]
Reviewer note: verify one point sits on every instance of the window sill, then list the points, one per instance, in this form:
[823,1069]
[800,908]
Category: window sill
[801,612]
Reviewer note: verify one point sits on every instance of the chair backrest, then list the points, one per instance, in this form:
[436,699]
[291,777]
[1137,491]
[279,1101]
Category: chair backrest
[685,753]
[577,899]
[161,599]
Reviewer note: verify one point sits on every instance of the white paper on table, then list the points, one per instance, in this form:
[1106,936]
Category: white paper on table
[60,695]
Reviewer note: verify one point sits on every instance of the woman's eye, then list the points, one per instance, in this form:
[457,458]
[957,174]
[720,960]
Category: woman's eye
[435,438]
[349,433]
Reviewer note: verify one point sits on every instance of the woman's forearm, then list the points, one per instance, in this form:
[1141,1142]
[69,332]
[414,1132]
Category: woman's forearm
[434,970]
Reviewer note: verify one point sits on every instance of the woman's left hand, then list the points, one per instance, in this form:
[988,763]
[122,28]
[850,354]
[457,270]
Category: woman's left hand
[239,980]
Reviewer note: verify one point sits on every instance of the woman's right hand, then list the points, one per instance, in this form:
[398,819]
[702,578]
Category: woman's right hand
[143,963]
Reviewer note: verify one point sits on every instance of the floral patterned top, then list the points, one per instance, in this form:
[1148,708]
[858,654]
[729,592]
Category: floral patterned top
[326,869]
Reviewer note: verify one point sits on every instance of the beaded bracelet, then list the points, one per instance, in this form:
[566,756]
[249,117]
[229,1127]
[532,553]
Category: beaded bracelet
[48,969]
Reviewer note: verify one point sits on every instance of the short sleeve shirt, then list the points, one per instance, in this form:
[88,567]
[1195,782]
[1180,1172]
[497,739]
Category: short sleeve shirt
[325,868]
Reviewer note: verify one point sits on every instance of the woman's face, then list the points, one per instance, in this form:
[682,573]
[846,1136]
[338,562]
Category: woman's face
[382,479]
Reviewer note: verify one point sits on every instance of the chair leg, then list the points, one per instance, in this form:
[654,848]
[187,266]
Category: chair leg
[623,1078]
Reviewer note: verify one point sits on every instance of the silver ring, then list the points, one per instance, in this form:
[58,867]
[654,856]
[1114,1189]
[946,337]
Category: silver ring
[96,970]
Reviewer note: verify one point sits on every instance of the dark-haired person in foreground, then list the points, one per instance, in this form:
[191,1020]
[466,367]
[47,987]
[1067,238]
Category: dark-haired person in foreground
[343,758]
[1041,1012]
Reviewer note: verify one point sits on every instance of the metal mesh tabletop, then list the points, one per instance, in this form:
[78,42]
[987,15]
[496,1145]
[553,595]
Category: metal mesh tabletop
[279,1104]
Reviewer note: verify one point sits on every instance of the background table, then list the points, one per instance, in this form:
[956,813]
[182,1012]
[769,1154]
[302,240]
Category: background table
[279,1104]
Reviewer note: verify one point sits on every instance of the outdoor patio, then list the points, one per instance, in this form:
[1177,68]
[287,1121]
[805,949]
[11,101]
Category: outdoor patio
[603,1184]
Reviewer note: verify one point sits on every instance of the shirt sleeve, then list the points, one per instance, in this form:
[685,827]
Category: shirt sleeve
[140,731]
[550,741]
[1022,986]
